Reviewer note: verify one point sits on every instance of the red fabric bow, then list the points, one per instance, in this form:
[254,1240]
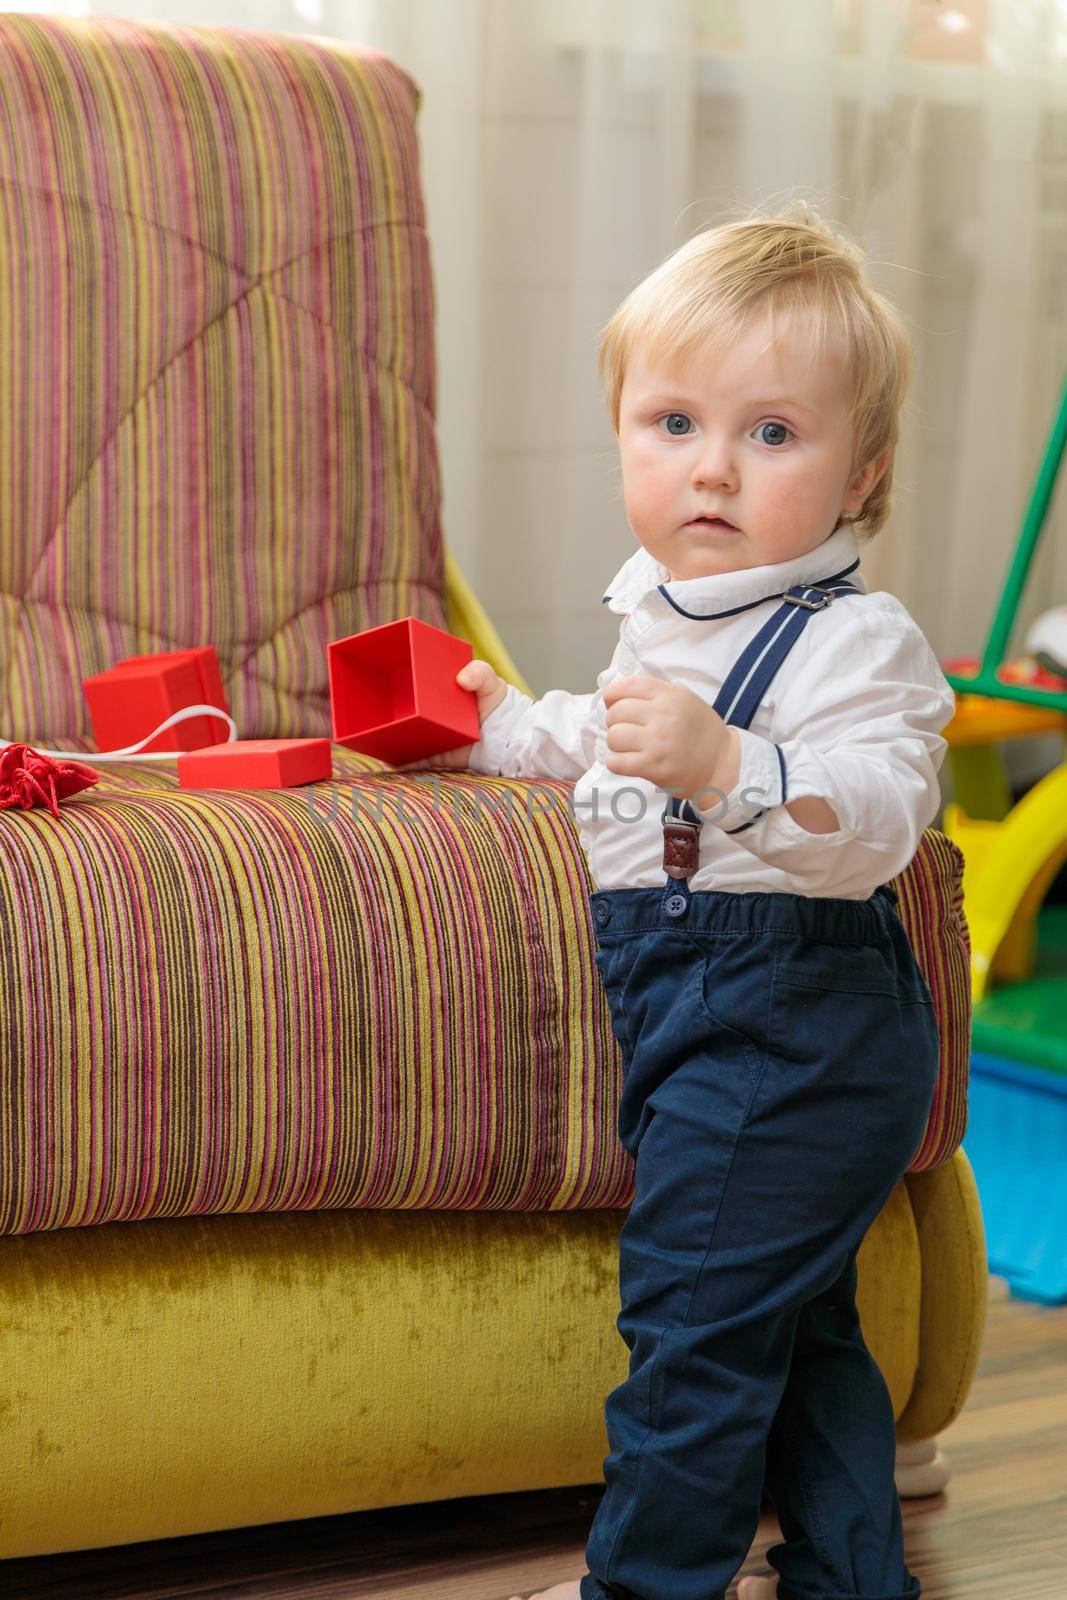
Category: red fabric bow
[28,778]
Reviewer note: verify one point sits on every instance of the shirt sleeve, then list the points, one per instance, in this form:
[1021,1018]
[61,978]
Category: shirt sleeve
[861,728]
[553,737]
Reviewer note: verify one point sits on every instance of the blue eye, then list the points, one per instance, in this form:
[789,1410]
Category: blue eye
[670,417]
[780,425]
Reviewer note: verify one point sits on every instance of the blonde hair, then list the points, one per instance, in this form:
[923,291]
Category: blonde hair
[723,280]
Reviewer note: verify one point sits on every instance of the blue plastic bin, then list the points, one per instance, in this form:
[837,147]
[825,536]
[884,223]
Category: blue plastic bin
[1017,1144]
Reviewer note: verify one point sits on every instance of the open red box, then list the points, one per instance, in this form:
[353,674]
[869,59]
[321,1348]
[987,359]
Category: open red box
[394,695]
[137,694]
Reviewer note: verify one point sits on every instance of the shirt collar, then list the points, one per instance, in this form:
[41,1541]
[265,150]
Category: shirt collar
[723,591]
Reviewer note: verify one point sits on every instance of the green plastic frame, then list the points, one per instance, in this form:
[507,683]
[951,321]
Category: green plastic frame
[985,681]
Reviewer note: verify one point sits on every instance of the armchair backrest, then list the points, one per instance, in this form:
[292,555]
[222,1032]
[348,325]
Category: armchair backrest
[217,378]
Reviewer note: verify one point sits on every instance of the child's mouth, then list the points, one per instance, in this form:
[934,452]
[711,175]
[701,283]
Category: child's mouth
[713,524]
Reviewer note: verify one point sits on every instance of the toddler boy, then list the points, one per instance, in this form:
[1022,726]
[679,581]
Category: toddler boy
[779,1041]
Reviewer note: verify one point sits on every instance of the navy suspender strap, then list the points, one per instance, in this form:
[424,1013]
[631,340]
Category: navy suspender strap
[737,702]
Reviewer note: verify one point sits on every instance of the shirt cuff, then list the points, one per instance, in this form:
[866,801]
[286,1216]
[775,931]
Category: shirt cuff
[809,772]
[762,784]
[488,753]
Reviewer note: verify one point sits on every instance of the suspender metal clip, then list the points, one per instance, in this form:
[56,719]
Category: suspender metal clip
[825,597]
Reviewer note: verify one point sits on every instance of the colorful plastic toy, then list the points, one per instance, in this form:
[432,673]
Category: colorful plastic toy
[1012,859]
[130,699]
[394,695]
[981,725]
[255,764]
[1013,853]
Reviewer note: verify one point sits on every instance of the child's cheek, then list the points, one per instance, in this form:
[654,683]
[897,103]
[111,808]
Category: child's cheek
[808,481]
[650,487]
[792,499]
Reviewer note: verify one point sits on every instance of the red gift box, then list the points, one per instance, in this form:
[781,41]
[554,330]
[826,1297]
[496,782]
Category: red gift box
[255,764]
[394,695]
[137,694]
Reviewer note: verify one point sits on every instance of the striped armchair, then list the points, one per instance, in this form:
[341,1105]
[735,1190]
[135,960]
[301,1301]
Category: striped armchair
[309,1184]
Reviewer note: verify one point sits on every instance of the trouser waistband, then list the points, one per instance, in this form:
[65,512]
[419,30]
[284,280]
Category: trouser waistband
[753,911]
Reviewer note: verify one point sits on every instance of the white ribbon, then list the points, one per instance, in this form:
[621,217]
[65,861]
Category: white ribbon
[130,752]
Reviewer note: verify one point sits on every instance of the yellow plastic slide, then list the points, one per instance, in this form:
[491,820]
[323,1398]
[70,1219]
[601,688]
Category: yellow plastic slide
[1008,868]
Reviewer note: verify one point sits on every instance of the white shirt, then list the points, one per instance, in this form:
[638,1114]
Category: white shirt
[856,710]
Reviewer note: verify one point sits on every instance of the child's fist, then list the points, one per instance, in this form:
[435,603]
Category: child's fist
[479,677]
[670,736]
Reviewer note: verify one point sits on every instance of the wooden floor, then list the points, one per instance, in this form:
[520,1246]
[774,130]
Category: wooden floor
[999,1532]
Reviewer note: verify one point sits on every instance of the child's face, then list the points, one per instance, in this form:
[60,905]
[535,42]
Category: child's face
[760,437]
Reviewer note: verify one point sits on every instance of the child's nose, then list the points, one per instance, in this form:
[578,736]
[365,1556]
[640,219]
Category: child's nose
[717,463]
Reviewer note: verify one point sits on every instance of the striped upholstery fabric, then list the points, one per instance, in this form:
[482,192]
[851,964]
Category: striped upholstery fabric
[216,362]
[931,908]
[375,992]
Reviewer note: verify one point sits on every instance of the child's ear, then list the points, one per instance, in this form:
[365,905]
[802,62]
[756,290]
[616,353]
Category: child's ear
[876,468]
[866,478]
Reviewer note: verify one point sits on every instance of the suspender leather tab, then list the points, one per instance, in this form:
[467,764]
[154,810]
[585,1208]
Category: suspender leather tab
[681,846]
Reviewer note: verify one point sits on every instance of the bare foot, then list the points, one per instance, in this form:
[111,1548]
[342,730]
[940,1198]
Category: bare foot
[559,1591]
[757,1588]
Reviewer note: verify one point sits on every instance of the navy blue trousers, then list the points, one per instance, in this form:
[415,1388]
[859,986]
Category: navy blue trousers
[780,1055]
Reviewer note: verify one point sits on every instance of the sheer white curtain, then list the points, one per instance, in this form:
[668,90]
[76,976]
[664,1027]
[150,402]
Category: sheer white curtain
[569,145]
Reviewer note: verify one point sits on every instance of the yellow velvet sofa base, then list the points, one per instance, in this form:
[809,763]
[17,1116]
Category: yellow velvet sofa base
[173,1377]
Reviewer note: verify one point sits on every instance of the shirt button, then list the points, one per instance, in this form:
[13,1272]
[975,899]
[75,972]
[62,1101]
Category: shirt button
[627,661]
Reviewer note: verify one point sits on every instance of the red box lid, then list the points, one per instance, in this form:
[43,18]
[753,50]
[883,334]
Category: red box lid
[255,764]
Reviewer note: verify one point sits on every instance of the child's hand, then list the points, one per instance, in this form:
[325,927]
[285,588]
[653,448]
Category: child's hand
[480,677]
[671,737]
[490,689]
